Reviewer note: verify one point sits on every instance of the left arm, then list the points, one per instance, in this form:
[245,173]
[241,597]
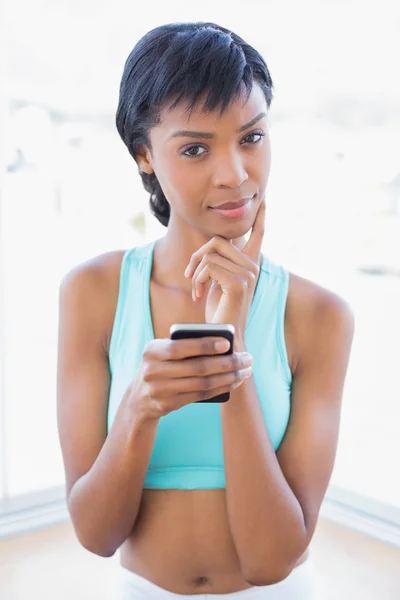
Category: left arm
[273,499]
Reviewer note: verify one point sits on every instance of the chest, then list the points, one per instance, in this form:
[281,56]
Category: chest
[188,450]
[173,306]
[169,306]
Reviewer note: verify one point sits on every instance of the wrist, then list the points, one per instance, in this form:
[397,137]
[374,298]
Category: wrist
[138,412]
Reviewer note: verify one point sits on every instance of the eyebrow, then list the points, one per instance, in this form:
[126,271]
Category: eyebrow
[209,136]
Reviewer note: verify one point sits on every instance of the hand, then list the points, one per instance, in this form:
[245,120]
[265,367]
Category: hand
[174,373]
[234,274]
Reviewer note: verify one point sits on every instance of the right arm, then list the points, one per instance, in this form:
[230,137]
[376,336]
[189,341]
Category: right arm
[104,473]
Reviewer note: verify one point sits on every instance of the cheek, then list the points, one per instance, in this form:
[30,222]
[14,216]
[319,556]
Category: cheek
[183,182]
[260,167]
[178,184]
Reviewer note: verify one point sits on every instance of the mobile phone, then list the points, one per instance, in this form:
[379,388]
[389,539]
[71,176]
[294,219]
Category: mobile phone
[180,331]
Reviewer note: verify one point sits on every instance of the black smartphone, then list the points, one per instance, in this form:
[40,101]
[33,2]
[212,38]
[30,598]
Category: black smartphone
[180,331]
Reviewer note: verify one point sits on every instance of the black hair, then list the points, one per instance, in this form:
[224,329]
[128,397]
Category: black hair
[182,61]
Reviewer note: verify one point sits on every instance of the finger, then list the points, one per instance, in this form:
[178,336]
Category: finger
[217,259]
[167,349]
[253,246]
[185,385]
[220,246]
[232,283]
[207,394]
[184,399]
[223,247]
[199,366]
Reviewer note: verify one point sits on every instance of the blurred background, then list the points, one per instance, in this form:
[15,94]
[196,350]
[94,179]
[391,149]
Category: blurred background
[69,190]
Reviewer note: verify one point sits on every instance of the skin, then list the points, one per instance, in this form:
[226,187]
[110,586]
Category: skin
[184,540]
[224,169]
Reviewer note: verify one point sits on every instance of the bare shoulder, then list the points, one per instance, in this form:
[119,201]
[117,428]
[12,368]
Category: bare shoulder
[313,312]
[93,285]
[97,268]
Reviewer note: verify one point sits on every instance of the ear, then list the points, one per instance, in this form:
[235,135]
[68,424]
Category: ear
[144,160]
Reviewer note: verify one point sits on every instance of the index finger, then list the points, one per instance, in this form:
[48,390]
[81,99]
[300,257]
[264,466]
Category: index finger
[190,347]
[253,246]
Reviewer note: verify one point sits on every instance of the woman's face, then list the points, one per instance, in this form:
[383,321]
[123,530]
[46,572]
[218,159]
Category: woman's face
[207,160]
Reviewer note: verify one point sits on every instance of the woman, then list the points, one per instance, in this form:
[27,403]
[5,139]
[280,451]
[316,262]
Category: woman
[217,499]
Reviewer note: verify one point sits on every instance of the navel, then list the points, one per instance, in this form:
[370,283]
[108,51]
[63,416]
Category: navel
[201,581]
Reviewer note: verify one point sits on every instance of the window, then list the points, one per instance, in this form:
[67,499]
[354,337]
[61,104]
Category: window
[70,190]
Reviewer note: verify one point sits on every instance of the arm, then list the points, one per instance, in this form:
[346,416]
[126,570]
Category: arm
[104,474]
[273,500]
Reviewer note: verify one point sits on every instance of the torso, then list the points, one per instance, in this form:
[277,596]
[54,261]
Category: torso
[181,540]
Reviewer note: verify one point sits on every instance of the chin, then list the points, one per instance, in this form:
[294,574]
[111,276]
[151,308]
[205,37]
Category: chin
[233,231]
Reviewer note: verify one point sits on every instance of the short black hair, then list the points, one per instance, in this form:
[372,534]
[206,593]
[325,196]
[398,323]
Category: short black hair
[182,62]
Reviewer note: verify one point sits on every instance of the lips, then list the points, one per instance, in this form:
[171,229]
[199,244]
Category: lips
[231,205]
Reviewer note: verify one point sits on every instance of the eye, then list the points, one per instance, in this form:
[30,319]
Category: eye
[189,151]
[260,135]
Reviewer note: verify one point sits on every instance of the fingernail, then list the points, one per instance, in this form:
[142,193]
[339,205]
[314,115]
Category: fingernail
[246,372]
[247,358]
[222,345]
[187,272]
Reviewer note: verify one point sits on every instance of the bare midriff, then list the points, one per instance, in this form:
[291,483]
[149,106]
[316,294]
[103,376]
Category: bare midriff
[182,542]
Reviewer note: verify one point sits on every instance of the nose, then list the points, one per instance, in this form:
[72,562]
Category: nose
[229,171]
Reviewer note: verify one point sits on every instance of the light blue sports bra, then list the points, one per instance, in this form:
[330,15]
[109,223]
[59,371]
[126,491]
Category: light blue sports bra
[188,449]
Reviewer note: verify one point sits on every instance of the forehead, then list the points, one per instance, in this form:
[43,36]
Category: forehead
[239,112]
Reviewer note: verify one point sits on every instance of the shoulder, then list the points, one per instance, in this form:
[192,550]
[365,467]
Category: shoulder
[314,314]
[92,288]
[94,271]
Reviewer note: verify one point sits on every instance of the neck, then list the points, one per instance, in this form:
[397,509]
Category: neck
[173,251]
